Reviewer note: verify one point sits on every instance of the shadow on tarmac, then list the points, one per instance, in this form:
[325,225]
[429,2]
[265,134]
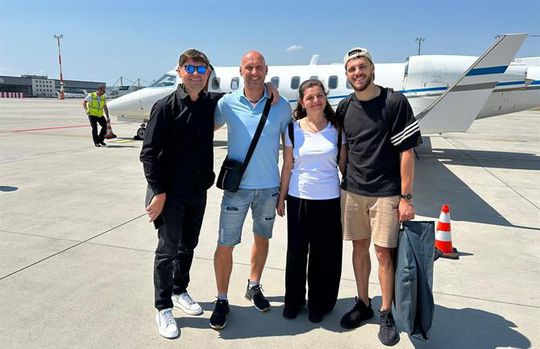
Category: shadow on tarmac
[466,328]
[248,322]
[452,328]
[7,188]
[436,185]
[471,328]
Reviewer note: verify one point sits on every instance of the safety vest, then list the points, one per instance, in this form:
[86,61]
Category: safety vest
[95,108]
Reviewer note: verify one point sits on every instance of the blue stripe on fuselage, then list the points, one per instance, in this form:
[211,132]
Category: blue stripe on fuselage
[487,70]
[432,89]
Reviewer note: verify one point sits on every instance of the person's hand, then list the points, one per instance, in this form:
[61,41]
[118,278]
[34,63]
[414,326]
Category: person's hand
[406,210]
[272,91]
[280,208]
[156,206]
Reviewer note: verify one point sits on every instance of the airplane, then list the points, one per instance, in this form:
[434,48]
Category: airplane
[446,92]
[81,94]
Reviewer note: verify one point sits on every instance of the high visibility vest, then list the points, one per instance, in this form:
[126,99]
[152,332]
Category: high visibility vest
[95,108]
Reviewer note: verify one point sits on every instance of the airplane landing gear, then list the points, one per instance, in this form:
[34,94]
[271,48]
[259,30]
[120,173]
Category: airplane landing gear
[140,132]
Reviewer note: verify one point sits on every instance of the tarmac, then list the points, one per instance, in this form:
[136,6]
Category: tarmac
[76,249]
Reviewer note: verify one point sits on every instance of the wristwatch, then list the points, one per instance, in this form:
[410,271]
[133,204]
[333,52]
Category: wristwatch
[407,196]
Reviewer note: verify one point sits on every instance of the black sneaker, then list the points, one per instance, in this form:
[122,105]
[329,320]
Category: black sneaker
[97,145]
[387,333]
[255,295]
[103,144]
[359,313]
[218,320]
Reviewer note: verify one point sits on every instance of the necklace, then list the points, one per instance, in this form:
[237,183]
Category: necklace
[311,128]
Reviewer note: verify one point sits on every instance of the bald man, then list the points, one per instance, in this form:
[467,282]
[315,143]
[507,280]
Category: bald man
[241,111]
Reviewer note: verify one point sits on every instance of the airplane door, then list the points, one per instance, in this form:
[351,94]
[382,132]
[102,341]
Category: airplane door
[214,83]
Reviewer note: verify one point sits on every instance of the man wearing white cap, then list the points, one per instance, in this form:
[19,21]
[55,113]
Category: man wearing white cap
[381,133]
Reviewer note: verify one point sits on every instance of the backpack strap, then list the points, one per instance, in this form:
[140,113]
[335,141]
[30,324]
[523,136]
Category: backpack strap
[339,140]
[386,114]
[290,128]
[343,106]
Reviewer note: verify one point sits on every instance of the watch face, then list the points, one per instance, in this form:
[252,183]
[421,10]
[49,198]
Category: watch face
[407,196]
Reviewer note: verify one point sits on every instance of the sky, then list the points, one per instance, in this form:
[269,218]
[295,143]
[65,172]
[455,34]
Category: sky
[106,40]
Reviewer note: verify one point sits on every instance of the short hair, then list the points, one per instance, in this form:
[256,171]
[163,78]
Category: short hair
[195,55]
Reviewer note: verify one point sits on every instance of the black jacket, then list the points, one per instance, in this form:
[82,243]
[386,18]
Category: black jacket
[177,151]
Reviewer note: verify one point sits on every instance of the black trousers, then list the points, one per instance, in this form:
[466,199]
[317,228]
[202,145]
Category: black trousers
[314,229]
[177,239]
[94,120]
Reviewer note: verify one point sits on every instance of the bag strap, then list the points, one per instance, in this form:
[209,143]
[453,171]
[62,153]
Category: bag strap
[257,134]
[342,107]
[339,140]
[290,127]
[386,114]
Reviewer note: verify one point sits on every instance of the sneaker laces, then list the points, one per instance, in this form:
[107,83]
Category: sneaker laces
[168,317]
[386,319]
[187,298]
[360,304]
[257,289]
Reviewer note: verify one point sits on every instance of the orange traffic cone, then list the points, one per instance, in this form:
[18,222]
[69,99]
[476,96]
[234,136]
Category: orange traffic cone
[109,134]
[443,235]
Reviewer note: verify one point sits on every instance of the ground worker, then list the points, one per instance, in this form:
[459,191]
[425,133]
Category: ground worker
[95,104]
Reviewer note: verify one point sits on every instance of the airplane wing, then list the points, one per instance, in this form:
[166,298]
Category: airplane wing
[459,105]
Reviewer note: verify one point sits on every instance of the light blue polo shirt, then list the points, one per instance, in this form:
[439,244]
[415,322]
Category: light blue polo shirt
[242,119]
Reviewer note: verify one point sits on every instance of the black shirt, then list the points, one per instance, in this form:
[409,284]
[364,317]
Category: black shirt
[377,132]
[177,152]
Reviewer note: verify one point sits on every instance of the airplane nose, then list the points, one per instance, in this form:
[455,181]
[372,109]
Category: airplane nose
[122,105]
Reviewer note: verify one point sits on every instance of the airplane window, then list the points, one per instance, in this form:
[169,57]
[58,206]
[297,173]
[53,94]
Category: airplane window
[332,82]
[215,83]
[314,77]
[275,81]
[234,83]
[295,82]
[165,80]
[348,84]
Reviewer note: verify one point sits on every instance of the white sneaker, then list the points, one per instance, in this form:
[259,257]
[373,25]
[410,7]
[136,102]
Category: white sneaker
[186,303]
[166,323]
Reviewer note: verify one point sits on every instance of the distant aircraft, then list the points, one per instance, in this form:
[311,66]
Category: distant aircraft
[81,94]
[446,92]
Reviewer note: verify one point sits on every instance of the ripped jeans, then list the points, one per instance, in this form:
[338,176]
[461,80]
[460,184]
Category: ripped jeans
[234,208]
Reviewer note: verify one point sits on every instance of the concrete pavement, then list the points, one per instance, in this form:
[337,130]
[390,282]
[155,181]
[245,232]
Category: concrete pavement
[76,251]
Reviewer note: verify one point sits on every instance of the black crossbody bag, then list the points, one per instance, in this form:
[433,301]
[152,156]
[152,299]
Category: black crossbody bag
[232,171]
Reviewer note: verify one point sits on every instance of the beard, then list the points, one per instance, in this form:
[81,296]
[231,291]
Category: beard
[368,80]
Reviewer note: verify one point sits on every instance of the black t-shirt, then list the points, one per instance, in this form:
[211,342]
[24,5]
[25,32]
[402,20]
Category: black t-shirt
[177,150]
[375,139]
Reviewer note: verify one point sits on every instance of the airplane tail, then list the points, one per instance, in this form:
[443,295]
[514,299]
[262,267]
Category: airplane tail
[459,105]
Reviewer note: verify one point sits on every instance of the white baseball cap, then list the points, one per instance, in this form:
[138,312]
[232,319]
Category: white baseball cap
[355,53]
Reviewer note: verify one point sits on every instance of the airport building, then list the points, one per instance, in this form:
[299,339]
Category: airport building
[42,86]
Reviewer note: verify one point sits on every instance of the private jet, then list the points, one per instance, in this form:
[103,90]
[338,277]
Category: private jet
[446,92]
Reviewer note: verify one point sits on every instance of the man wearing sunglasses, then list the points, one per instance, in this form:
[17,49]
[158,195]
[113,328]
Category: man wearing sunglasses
[177,156]
[381,133]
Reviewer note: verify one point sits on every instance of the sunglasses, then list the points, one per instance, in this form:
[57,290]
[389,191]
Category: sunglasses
[190,69]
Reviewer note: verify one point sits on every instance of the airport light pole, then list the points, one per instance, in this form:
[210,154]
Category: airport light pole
[58,37]
[419,41]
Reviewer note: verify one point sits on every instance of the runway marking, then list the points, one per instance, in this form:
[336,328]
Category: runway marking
[49,128]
